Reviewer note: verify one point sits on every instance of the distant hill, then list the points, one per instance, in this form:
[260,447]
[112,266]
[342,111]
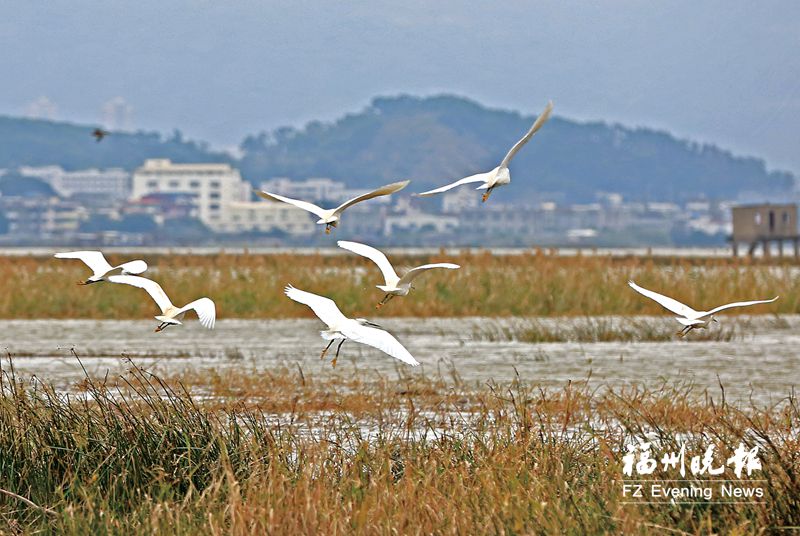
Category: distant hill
[33,142]
[432,141]
[437,139]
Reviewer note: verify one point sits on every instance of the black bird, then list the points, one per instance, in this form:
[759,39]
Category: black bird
[99,134]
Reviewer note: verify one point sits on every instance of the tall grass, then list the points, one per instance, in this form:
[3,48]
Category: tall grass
[534,284]
[285,454]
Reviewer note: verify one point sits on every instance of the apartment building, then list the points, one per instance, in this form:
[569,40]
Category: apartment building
[41,217]
[110,184]
[221,197]
[213,186]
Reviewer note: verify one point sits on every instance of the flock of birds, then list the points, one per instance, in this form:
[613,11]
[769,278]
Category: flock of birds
[339,327]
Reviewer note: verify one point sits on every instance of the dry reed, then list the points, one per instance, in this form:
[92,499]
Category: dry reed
[534,284]
[283,453]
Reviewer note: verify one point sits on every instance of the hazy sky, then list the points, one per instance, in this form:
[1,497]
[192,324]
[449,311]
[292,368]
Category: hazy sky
[724,71]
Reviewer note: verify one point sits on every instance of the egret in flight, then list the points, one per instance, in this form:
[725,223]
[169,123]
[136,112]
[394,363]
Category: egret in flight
[687,316]
[170,315]
[99,265]
[501,174]
[342,328]
[330,217]
[393,284]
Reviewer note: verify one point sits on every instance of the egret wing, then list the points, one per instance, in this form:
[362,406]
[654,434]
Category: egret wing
[383,190]
[382,340]
[324,308]
[480,177]
[666,302]
[93,259]
[414,272]
[305,205]
[152,288]
[541,120]
[206,311]
[376,256]
[740,304]
[133,267]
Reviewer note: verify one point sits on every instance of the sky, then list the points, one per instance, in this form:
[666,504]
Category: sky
[719,71]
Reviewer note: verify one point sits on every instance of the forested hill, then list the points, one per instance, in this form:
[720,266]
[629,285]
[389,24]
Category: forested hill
[432,141]
[438,139]
[34,142]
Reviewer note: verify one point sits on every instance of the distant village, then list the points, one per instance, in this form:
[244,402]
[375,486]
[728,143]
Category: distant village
[166,203]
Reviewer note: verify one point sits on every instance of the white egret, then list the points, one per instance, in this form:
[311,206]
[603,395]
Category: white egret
[355,329]
[170,314]
[500,175]
[393,284]
[100,266]
[687,316]
[330,217]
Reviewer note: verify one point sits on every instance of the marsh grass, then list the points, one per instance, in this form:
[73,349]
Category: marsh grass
[532,284]
[284,453]
[598,329]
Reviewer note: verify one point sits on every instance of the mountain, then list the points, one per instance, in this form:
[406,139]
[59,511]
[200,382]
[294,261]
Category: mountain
[437,139]
[34,142]
[432,141]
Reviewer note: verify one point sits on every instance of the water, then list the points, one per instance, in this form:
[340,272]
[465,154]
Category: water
[688,252]
[765,364]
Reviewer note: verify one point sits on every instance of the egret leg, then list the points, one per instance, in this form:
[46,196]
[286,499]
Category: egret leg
[325,351]
[161,327]
[487,194]
[328,228]
[384,301]
[333,363]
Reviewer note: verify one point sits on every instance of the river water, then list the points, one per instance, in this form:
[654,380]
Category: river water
[764,363]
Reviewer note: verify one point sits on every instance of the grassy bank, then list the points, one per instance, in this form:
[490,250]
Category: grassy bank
[283,453]
[251,286]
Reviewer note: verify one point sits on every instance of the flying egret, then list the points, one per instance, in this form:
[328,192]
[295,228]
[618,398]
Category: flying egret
[394,285]
[355,329]
[99,265]
[170,315]
[330,217]
[501,174]
[690,318]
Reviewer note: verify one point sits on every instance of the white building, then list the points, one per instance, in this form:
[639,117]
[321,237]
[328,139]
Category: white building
[414,220]
[213,185]
[266,216]
[113,183]
[42,217]
[460,199]
[221,197]
[315,189]
[42,108]
[118,114]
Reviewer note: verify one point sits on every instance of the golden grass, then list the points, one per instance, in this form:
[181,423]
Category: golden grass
[285,453]
[535,284]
